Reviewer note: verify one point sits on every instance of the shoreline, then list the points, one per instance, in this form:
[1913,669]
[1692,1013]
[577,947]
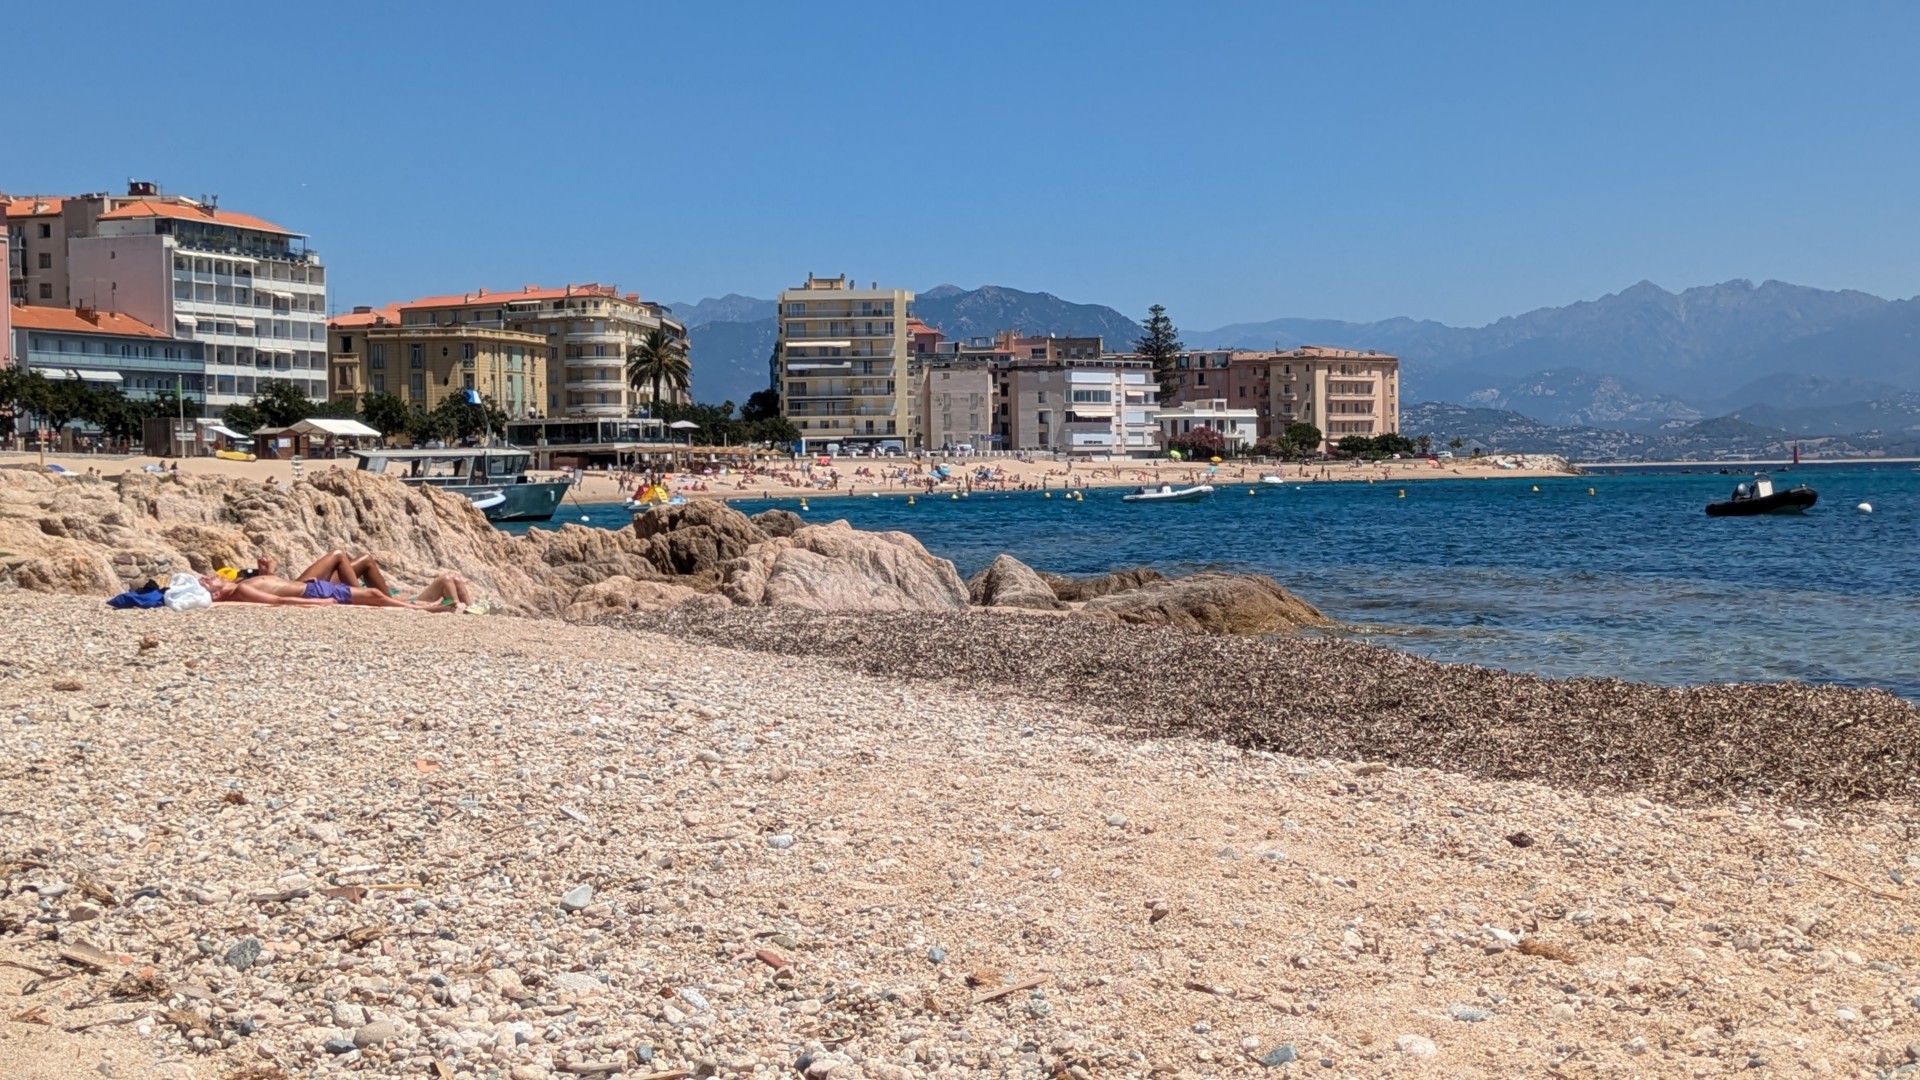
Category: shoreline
[740,858]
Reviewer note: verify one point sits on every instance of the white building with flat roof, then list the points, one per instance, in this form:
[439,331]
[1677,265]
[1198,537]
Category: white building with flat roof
[1239,428]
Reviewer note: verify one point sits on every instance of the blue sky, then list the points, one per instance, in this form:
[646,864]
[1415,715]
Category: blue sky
[1235,162]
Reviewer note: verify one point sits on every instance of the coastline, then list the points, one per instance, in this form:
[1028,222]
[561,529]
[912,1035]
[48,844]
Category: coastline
[664,851]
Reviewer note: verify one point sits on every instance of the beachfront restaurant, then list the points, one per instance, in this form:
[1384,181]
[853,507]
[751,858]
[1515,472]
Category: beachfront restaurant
[319,437]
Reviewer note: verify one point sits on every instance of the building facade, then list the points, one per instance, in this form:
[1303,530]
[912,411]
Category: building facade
[1340,391]
[6,307]
[108,350]
[1239,429]
[954,401]
[1099,407]
[585,331]
[843,364]
[252,293]
[377,351]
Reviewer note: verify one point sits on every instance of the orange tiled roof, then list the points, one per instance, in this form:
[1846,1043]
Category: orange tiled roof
[524,294]
[72,321]
[148,208]
[33,206]
[388,315]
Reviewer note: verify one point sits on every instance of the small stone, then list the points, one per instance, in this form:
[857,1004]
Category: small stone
[936,955]
[348,1015]
[1467,1014]
[1118,821]
[1039,1007]
[244,953]
[1416,1046]
[576,898]
[709,757]
[643,1054]
[339,1046]
[1635,1046]
[380,1031]
[1278,1056]
[1561,1011]
[780,841]
[694,998]
[83,913]
[1845,1016]
[576,982]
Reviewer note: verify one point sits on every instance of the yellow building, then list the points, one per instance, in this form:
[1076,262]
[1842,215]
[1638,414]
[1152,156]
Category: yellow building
[374,351]
[843,364]
[1340,391]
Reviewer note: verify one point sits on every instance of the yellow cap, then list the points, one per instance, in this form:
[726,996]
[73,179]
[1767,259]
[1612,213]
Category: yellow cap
[229,573]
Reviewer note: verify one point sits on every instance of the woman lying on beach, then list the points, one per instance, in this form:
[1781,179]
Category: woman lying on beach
[448,592]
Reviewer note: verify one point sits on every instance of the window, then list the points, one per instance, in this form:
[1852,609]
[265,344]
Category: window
[346,342]
[469,381]
[46,291]
[46,231]
[466,353]
[46,260]
[1041,398]
[419,387]
[414,359]
[377,356]
[379,384]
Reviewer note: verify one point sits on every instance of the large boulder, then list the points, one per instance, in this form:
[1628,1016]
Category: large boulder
[837,568]
[1011,583]
[1209,603]
[698,537]
[1078,590]
[779,522]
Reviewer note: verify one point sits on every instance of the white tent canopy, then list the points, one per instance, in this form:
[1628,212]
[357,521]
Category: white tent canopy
[683,425]
[330,426]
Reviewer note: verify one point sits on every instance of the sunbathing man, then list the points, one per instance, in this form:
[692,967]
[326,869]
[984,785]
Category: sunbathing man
[266,589]
[335,566]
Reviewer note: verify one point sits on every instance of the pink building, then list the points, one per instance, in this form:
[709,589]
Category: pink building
[6,306]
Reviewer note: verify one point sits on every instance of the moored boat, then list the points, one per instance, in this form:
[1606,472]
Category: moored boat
[1759,497]
[1169,493]
[1272,479]
[494,479]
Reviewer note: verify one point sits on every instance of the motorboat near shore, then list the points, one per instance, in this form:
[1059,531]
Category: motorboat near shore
[1169,493]
[1759,497]
[1272,479]
[494,479]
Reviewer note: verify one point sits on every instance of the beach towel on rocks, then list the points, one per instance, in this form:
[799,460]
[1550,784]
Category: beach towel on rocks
[146,596]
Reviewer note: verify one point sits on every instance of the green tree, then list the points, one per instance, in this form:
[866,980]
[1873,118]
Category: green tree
[1391,443]
[659,359]
[1304,437]
[386,413]
[1354,446]
[281,403]
[117,416]
[761,405]
[1160,343]
[244,419]
[1455,442]
[57,402]
[1425,445]
[454,418]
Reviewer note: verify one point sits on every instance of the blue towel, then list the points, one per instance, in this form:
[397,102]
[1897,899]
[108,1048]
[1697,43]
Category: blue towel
[144,597]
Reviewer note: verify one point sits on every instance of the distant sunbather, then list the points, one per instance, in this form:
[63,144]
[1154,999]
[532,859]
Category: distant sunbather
[335,566]
[268,589]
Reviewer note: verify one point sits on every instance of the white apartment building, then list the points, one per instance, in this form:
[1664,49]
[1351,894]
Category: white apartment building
[1238,428]
[843,364]
[1087,407]
[250,291]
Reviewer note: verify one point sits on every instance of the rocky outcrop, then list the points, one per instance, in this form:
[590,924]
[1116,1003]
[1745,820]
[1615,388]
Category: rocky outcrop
[1011,583]
[624,596]
[1077,590]
[838,568]
[1238,604]
[696,538]
[779,522]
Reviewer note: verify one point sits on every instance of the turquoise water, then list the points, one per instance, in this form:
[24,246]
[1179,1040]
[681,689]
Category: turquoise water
[1633,581]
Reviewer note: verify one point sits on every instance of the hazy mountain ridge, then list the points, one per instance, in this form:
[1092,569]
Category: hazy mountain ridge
[982,312]
[732,307]
[1721,438]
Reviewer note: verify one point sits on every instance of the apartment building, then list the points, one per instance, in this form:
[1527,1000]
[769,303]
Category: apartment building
[382,351]
[954,401]
[585,330]
[252,293]
[6,307]
[843,363]
[1239,429]
[105,349]
[1093,407]
[1340,391]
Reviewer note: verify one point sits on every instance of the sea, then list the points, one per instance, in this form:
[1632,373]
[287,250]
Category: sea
[1613,573]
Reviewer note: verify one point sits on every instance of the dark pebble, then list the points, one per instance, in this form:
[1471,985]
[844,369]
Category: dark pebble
[1278,1056]
[339,1046]
[244,953]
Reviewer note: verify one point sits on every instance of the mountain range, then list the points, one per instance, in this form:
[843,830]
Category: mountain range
[1788,358]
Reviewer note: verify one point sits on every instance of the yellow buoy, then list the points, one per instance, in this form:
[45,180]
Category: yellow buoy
[910,501]
[1589,491]
[1049,494]
[803,504]
[1403,493]
[955,496]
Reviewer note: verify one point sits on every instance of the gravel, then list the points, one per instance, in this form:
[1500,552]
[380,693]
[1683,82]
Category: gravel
[380,806]
[1811,745]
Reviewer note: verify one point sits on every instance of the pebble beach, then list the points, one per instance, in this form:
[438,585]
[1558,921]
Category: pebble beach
[252,842]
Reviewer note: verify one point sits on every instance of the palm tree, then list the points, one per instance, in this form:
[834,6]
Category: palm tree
[659,358]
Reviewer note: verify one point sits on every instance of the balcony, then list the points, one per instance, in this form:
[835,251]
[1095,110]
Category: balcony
[611,409]
[596,384]
[808,414]
[597,337]
[820,333]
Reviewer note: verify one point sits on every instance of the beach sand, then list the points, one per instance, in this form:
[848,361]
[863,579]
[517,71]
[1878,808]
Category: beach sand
[601,487]
[532,849]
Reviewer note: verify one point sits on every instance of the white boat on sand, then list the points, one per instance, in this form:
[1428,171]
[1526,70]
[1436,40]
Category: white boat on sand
[1272,479]
[1169,493]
